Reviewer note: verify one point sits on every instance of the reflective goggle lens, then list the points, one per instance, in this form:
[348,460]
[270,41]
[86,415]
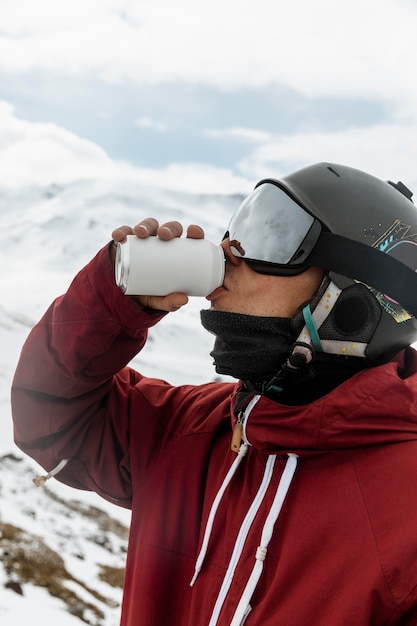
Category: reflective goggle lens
[268,226]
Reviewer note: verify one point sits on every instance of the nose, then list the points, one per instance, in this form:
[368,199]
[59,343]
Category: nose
[230,257]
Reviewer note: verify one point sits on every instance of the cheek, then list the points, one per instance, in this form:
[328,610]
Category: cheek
[273,297]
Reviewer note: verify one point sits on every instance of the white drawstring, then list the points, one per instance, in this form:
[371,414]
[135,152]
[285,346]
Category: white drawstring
[232,471]
[241,538]
[244,608]
[41,480]
[209,526]
[284,484]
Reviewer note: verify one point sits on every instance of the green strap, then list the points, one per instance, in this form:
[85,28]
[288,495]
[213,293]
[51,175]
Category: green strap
[312,329]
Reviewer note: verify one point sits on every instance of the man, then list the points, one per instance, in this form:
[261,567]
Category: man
[304,514]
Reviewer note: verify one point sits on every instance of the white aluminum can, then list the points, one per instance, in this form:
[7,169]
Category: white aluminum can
[154,267]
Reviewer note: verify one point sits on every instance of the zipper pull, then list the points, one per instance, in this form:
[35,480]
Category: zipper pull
[238,433]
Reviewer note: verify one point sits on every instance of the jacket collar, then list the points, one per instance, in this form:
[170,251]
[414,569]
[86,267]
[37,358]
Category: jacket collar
[375,406]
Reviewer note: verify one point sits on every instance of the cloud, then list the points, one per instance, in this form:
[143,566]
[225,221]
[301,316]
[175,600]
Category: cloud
[148,123]
[362,49]
[41,154]
[363,52]
[246,134]
[388,151]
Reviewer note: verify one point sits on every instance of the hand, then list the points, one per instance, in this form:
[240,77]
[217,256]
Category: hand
[151,228]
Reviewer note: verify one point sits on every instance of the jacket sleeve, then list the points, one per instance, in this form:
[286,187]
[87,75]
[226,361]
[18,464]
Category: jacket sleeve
[71,390]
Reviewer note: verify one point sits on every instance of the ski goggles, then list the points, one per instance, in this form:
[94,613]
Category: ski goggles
[272,232]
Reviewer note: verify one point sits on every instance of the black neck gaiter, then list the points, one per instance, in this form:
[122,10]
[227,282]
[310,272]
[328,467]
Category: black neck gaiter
[248,347]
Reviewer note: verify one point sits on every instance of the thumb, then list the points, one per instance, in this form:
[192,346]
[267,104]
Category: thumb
[170,303]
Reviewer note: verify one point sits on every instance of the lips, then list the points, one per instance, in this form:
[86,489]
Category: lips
[216,293]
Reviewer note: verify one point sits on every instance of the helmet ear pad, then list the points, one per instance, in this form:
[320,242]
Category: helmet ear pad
[346,316]
[354,317]
[351,315]
[373,323]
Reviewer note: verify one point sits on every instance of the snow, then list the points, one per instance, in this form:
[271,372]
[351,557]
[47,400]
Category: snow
[43,609]
[47,234]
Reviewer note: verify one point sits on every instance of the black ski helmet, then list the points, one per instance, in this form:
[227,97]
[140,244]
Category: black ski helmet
[369,236]
[362,231]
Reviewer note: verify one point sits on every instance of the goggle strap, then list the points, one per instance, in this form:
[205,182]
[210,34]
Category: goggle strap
[371,266]
[312,328]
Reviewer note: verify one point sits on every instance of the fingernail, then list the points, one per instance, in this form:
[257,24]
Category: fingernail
[144,227]
[167,229]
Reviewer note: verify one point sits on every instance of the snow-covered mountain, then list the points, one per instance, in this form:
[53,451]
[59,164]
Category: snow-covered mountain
[62,551]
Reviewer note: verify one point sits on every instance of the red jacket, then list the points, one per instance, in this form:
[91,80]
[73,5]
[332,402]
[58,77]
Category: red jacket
[341,538]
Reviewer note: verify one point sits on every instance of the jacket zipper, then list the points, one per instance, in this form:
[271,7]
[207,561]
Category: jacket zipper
[237,435]
[239,430]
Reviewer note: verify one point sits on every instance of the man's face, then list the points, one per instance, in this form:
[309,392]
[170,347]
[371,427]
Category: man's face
[248,292]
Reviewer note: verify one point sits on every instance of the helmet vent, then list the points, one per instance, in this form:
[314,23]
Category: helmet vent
[402,189]
[333,171]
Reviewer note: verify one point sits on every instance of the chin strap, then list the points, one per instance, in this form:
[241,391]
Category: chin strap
[312,328]
[301,355]
[311,341]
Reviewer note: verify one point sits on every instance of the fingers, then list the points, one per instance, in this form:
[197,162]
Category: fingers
[166,231]
[195,232]
[119,234]
[169,231]
[146,228]
[150,227]
[170,303]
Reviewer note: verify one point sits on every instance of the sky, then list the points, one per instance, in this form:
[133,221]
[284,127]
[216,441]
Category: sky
[208,95]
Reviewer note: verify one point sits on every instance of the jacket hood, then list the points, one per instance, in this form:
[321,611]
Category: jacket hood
[376,406]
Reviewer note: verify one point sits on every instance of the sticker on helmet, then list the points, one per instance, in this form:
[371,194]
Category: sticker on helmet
[401,245]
